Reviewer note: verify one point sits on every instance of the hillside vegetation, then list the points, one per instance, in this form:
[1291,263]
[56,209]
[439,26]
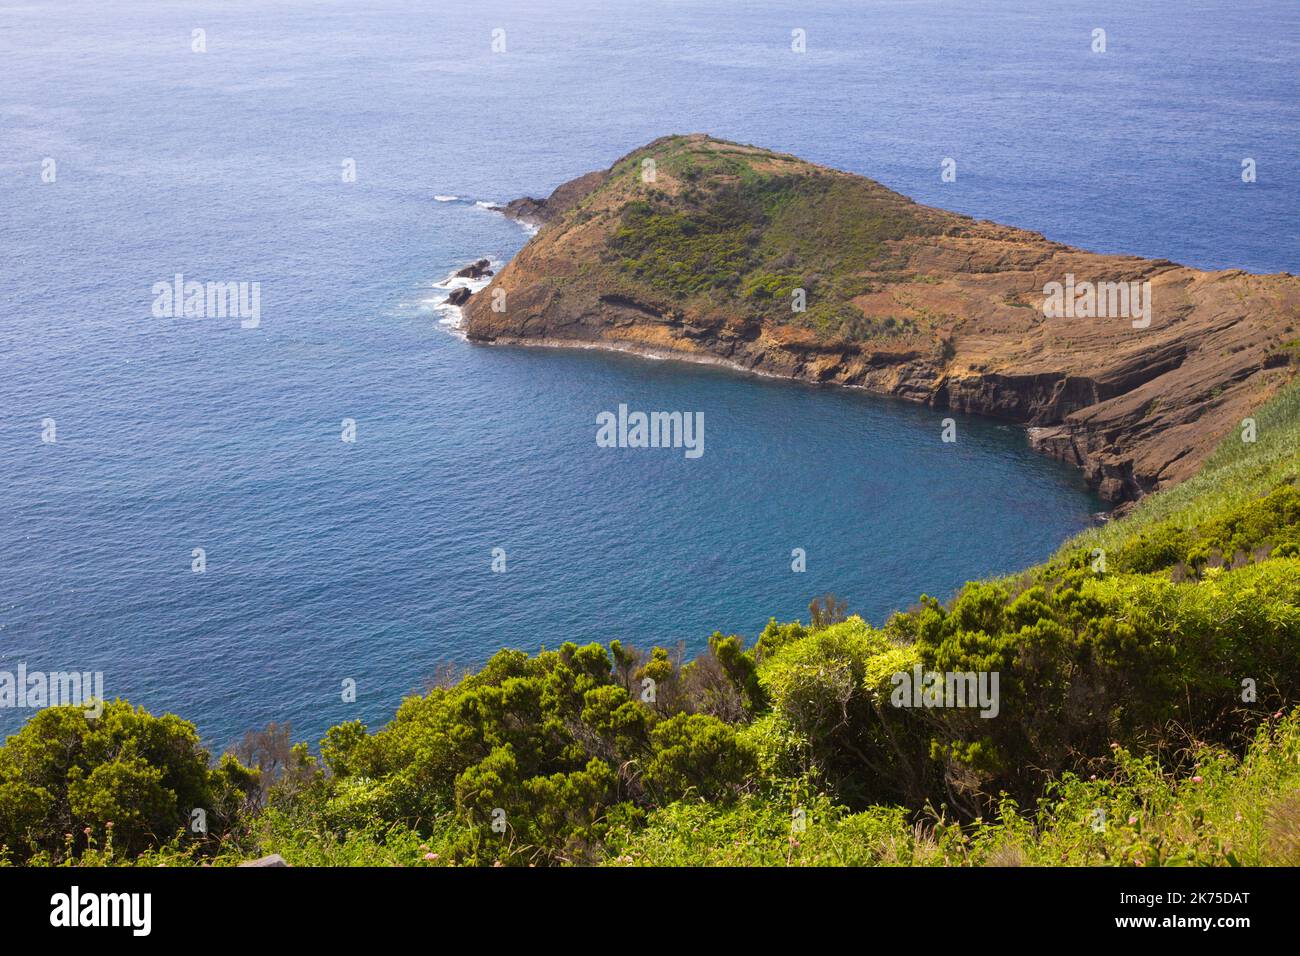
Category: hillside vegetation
[729,228]
[1149,675]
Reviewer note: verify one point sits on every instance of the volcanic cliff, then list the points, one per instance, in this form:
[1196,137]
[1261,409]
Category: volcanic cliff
[714,251]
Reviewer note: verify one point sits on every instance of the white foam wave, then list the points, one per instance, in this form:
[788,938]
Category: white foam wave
[452,316]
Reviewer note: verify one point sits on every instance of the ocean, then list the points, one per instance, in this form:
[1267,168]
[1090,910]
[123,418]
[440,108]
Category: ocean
[343,157]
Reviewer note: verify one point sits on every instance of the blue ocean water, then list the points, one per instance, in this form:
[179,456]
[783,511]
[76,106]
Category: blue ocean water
[329,561]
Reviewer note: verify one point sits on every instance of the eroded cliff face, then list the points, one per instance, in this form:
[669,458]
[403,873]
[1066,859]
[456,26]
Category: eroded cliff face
[705,256]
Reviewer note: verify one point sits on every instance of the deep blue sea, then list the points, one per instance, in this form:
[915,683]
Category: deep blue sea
[371,561]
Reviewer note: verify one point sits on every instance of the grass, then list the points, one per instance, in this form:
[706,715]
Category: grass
[1222,811]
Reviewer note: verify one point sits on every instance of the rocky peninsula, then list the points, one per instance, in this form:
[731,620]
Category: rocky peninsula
[1131,369]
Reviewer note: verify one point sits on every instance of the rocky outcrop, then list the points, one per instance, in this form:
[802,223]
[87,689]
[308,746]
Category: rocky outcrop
[904,300]
[475,270]
[538,212]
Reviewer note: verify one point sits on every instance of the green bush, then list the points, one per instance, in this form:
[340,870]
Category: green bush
[532,756]
[67,779]
[831,691]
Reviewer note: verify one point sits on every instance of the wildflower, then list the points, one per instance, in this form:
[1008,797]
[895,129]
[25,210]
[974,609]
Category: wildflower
[431,857]
[1198,779]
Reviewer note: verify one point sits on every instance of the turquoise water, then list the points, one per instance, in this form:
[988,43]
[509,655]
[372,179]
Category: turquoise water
[371,561]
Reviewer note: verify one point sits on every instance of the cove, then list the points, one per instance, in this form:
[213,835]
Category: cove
[332,564]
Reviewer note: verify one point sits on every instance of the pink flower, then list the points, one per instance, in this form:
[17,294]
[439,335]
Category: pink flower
[431,857]
[1198,780]
[1132,821]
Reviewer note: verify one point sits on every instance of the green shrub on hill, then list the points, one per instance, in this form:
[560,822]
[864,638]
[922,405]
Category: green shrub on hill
[1219,811]
[532,755]
[69,782]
